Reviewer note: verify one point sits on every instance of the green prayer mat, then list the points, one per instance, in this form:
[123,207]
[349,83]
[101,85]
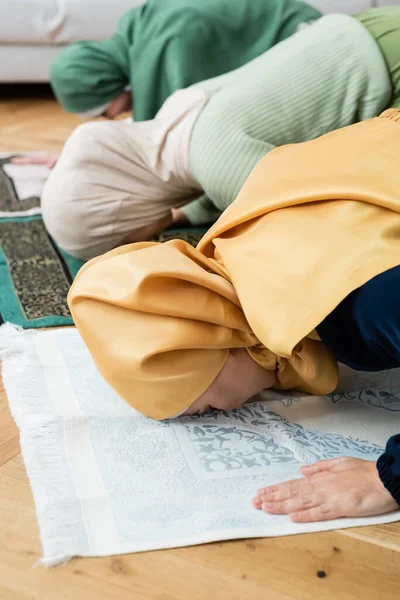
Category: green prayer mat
[35,275]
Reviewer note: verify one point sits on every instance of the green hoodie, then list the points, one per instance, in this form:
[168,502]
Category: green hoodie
[384,26]
[166,45]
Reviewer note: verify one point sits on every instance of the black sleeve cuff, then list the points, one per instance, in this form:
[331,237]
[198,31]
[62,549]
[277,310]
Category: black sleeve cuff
[388,466]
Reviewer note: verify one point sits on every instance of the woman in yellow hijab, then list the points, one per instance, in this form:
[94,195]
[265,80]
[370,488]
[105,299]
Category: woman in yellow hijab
[301,271]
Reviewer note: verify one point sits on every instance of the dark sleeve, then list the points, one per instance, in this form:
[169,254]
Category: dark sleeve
[389,467]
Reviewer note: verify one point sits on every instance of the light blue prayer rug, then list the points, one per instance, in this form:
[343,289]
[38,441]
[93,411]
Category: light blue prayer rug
[107,480]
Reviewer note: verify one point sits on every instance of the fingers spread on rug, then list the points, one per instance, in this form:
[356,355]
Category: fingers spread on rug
[330,489]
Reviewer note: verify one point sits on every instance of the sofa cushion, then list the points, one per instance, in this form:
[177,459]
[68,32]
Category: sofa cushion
[52,22]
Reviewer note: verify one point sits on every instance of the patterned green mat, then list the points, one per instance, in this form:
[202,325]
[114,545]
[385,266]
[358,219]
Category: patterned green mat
[35,275]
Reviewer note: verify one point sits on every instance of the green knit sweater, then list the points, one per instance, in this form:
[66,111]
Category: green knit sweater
[327,76]
[384,26]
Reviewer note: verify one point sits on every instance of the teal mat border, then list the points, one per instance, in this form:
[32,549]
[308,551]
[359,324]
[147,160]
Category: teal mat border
[10,307]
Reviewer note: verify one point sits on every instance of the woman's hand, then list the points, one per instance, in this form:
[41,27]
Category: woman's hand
[49,160]
[330,489]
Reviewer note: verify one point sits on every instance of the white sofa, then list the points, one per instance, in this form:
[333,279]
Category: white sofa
[32,32]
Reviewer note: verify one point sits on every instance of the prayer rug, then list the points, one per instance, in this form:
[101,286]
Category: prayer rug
[107,480]
[35,275]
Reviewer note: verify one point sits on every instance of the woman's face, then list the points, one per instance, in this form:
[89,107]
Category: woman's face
[240,379]
[121,104]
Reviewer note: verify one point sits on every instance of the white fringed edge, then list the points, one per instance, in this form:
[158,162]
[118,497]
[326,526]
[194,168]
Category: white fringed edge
[42,446]
[8,332]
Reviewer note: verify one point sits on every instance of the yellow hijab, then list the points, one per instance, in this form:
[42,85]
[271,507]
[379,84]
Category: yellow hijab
[313,222]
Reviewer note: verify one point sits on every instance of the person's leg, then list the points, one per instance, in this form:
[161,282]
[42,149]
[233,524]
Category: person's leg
[364,330]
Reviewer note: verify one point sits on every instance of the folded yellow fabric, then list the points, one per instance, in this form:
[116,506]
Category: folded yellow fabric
[313,222]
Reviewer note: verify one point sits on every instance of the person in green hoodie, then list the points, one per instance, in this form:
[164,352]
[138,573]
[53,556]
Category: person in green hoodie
[164,46]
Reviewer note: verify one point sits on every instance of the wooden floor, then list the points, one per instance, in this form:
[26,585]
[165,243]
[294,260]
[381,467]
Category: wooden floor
[345,565]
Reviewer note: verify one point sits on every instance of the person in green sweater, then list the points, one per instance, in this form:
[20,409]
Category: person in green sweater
[119,182]
[164,46]
[306,89]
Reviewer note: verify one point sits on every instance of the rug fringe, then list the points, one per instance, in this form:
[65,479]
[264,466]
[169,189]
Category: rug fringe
[56,561]
[43,450]
[10,335]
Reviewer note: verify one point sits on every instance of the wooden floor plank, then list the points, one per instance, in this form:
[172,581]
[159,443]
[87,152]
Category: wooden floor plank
[34,125]
[387,536]
[9,436]
[286,568]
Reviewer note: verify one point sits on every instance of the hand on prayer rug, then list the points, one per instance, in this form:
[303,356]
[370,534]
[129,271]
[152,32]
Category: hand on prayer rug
[330,489]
